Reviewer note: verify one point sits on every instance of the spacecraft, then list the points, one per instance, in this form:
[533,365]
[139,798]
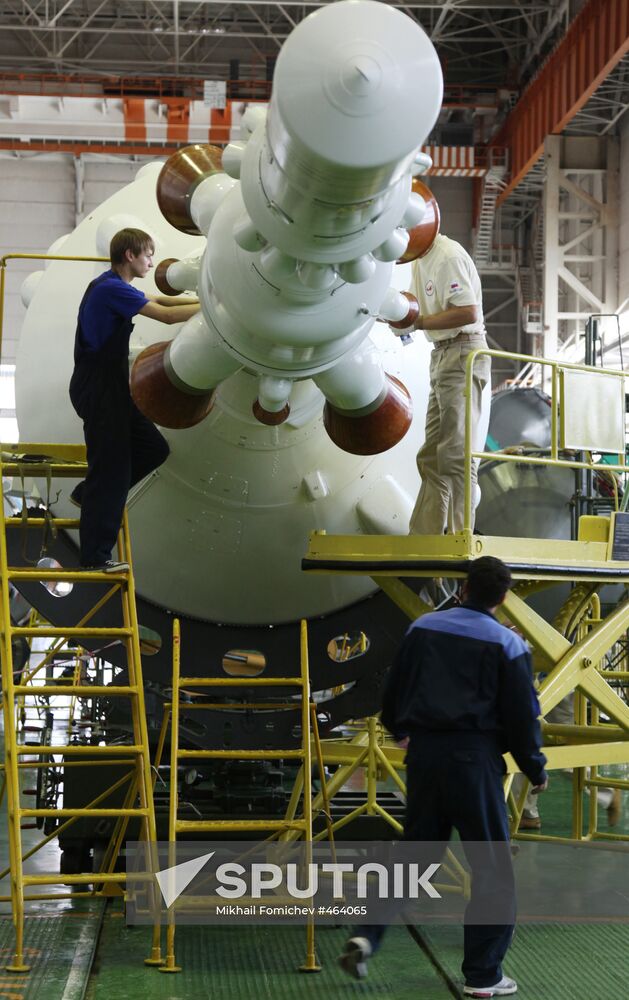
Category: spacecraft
[290,406]
[288,402]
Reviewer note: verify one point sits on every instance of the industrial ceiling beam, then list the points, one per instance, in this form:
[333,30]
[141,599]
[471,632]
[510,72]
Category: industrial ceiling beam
[594,44]
[64,35]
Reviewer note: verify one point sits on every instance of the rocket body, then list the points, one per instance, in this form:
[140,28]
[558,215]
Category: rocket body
[289,238]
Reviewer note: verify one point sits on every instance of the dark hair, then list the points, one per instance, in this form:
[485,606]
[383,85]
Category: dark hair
[488,580]
[135,240]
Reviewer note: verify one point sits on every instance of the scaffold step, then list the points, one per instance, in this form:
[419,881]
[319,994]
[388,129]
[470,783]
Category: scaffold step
[75,750]
[31,469]
[32,765]
[238,825]
[78,690]
[39,522]
[240,681]
[78,879]
[240,706]
[53,632]
[239,754]
[140,811]
[72,574]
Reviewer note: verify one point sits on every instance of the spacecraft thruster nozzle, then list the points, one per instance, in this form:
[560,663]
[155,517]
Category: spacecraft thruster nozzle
[179,178]
[156,395]
[174,276]
[422,235]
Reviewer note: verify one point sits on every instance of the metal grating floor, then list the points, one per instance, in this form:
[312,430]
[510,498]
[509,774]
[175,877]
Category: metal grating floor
[258,963]
[59,948]
[550,961]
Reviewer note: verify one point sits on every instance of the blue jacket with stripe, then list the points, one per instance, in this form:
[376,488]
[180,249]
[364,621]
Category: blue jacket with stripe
[461,671]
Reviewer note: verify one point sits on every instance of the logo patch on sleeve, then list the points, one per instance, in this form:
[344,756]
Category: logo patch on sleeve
[455,286]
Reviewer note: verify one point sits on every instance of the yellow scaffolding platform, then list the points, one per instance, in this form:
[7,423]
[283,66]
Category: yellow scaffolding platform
[573,650]
[69,461]
[291,826]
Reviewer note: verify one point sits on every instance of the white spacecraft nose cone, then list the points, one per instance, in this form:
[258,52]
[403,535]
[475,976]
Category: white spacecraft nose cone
[357,68]
[361,76]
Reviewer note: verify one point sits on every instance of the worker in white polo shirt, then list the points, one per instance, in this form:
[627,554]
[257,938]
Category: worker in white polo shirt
[448,290]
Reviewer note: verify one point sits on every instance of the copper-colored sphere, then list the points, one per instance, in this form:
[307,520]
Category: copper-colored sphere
[423,235]
[158,399]
[411,316]
[160,276]
[374,432]
[269,418]
[180,175]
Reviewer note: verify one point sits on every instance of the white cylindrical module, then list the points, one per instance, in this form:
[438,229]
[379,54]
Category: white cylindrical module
[197,357]
[268,317]
[301,248]
[175,276]
[357,382]
[357,88]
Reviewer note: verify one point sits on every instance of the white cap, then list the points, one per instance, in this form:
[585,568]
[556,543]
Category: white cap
[358,83]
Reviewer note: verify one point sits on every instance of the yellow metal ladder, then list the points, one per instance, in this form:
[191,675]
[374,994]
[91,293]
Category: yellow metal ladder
[291,824]
[68,461]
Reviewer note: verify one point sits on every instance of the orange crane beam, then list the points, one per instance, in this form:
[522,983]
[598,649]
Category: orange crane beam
[594,44]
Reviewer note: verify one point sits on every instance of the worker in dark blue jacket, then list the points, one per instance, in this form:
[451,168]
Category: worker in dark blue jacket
[123,446]
[460,695]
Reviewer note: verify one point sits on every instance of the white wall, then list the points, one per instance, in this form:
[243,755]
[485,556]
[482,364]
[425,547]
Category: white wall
[104,176]
[38,203]
[36,206]
[454,195]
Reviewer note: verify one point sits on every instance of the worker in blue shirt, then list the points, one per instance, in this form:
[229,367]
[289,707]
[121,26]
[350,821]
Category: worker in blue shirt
[459,695]
[123,446]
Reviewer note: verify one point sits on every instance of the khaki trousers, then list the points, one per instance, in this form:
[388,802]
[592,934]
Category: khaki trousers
[441,459]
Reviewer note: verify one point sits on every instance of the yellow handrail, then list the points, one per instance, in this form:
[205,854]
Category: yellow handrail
[33,256]
[554,460]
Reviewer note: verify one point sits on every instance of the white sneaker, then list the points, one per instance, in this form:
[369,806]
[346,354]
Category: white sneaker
[354,959]
[503,988]
[109,566]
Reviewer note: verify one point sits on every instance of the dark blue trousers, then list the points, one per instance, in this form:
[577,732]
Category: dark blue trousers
[454,781]
[123,446]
